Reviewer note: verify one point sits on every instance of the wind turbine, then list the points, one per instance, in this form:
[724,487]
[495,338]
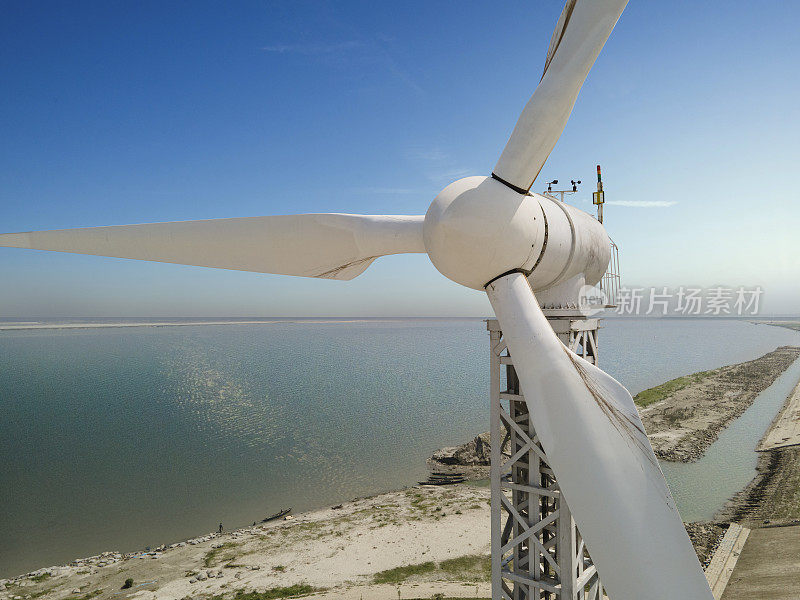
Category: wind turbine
[493,234]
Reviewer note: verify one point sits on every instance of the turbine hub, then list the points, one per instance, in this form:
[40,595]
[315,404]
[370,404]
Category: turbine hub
[476,229]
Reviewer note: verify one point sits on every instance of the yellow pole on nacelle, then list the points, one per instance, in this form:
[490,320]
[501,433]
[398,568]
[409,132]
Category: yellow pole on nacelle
[598,196]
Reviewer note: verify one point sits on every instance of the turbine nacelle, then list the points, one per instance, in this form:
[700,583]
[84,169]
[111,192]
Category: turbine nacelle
[477,229]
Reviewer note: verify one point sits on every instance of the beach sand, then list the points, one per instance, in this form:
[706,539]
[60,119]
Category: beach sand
[412,543]
[342,552]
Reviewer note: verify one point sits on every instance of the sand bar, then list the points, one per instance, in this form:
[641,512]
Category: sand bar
[16,326]
[689,418]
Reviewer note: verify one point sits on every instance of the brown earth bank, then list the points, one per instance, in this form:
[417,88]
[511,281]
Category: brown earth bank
[705,539]
[682,417]
[683,424]
[772,498]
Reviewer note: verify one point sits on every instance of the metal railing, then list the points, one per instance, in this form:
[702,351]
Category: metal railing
[610,283]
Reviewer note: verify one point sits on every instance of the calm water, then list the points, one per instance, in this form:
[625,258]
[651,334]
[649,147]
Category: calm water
[126,438]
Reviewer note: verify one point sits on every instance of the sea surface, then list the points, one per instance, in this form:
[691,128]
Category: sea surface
[119,439]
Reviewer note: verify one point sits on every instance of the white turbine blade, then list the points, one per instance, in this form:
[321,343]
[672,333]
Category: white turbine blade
[596,445]
[581,32]
[331,246]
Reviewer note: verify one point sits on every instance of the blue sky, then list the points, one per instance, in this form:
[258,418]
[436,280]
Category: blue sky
[116,113]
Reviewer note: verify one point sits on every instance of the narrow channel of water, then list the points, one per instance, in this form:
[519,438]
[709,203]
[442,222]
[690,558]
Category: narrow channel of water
[702,488]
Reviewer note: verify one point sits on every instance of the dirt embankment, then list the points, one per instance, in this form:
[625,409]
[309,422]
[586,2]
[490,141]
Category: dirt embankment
[682,417]
[705,539]
[689,417]
[772,498]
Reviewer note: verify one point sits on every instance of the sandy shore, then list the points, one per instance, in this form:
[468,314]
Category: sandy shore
[412,543]
[436,539]
[795,325]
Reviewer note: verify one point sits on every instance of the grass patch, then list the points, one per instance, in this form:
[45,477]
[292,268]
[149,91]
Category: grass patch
[292,591]
[473,567]
[211,556]
[659,392]
[400,574]
[40,578]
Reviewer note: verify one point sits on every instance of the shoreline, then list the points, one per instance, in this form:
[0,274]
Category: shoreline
[427,539]
[772,497]
[794,325]
[682,417]
[424,540]
[416,542]
[688,416]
